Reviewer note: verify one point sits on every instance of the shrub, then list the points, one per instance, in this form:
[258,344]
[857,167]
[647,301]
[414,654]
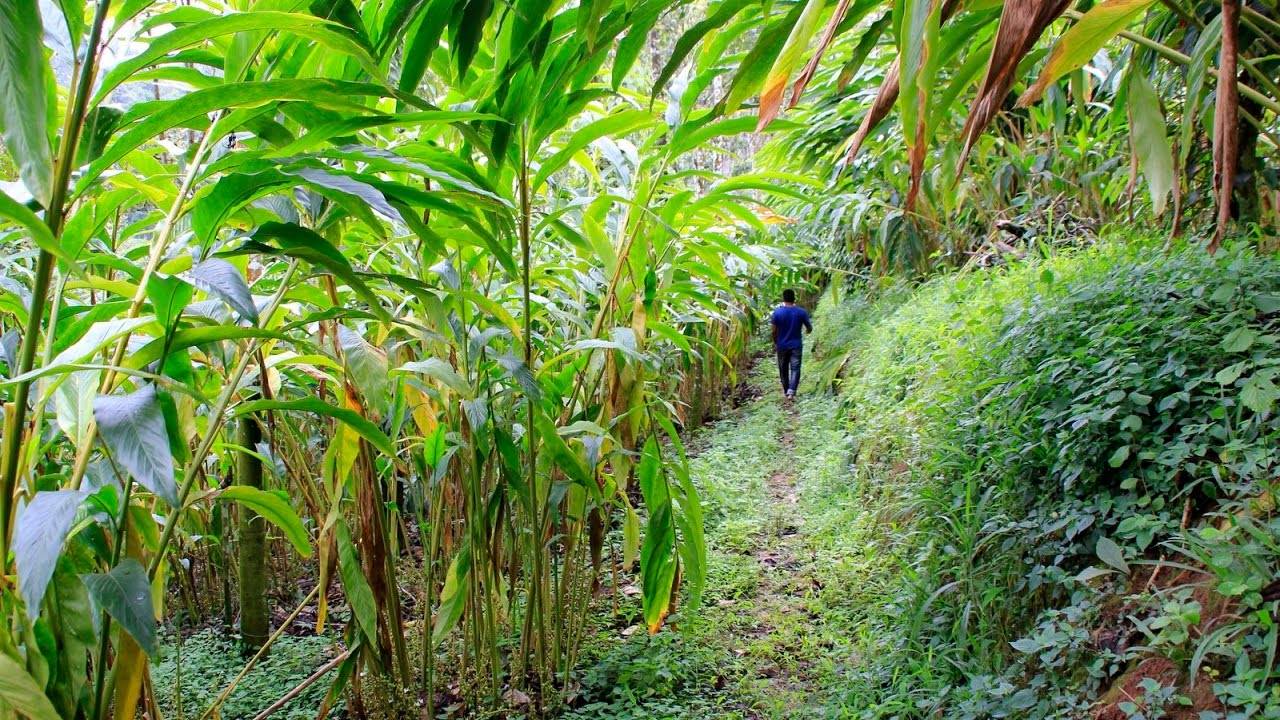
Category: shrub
[1039,426]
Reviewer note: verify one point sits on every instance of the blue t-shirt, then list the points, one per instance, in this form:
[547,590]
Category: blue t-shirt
[789,319]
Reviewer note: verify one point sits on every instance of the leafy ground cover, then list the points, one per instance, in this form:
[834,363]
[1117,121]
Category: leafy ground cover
[1081,455]
[189,675]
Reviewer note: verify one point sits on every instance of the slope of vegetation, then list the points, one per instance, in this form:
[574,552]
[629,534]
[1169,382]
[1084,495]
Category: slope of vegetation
[1078,458]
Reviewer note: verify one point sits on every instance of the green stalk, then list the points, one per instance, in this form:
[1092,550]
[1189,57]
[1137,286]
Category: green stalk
[73,124]
[536,586]
[100,665]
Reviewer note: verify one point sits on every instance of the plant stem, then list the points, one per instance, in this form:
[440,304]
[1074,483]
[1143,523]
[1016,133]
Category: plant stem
[100,666]
[73,123]
[534,603]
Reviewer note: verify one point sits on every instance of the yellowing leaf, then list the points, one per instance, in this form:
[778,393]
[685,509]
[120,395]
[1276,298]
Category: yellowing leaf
[775,83]
[1082,41]
[1150,140]
[19,691]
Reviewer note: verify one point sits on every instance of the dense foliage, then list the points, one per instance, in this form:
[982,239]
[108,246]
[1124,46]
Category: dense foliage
[1082,452]
[385,317]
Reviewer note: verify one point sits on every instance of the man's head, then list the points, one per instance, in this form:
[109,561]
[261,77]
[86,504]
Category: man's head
[788,296]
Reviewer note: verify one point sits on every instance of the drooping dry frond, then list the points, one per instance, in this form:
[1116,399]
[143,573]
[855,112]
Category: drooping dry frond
[1022,22]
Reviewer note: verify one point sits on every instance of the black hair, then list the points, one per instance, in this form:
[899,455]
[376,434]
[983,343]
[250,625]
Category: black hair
[789,295]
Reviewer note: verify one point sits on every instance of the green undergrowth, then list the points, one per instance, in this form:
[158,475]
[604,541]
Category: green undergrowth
[1071,465]
[189,676]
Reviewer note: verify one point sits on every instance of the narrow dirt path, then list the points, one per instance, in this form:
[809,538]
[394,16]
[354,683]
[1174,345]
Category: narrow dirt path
[775,636]
[776,617]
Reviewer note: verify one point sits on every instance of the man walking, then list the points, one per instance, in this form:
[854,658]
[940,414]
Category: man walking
[787,320]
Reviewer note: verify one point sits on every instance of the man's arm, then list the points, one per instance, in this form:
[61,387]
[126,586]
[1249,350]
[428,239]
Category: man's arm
[773,327]
[808,328]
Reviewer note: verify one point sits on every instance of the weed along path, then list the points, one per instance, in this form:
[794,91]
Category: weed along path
[775,633]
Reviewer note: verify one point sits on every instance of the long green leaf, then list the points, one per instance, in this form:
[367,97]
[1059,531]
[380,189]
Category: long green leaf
[775,83]
[276,510]
[306,244]
[24,122]
[689,40]
[328,34]
[146,123]
[1150,139]
[617,124]
[351,418]
[36,229]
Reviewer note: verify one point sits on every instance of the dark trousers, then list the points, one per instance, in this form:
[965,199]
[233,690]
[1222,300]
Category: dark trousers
[789,368]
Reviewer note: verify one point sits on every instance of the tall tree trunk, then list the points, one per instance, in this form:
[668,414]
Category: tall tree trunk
[255,624]
[1225,120]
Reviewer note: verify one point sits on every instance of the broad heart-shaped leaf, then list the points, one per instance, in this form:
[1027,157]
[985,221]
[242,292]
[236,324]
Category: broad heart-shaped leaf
[219,277]
[1150,139]
[1259,393]
[1111,553]
[276,510]
[125,593]
[37,541]
[1082,41]
[18,690]
[133,428]
[24,121]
